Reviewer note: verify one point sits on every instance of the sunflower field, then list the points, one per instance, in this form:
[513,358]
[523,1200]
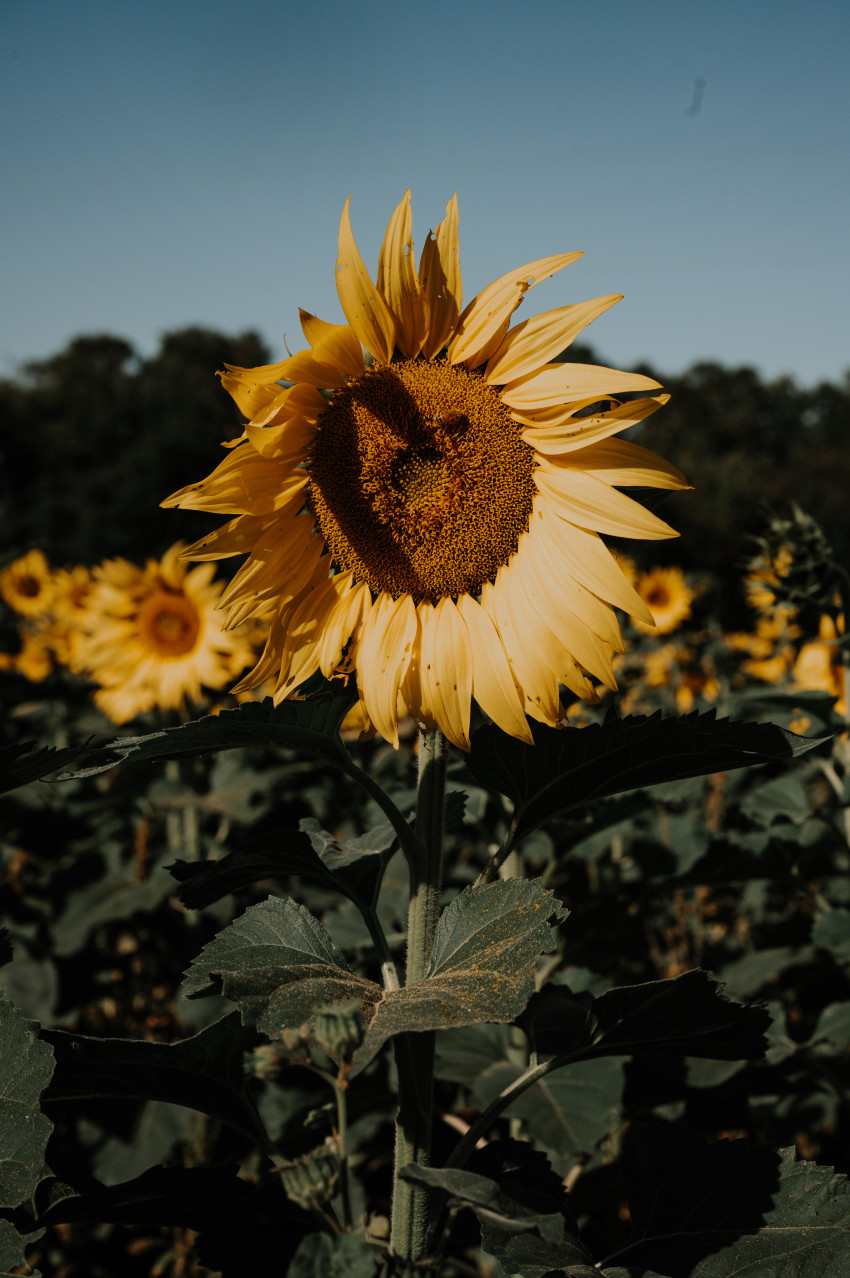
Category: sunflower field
[445,889]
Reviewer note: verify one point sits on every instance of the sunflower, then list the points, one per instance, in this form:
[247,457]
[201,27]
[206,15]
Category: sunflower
[668,597]
[27,585]
[420,495]
[819,665]
[152,636]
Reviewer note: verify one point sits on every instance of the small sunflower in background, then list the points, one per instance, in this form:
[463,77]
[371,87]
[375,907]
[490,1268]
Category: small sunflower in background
[819,666]
[152,638]
[421,494]
[27,585]
[668,598]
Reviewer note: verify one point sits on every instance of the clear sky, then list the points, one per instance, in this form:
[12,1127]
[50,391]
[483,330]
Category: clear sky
[169,162]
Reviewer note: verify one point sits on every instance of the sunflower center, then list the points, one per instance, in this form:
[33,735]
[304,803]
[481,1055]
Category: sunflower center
[658,597]
[419,480]
[29,587]
[168,624]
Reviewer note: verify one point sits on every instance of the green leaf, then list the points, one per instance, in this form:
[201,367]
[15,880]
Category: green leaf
[20,763]
[833,1027]
[568,1111]
[310,726]
[204,1072]
[345,1256]
[268,856]
[567,768]
[482,967]
[486,1199]
[12,1250]
[832,932]
[707,1210]
[534,1257]
[276,956]
[25,1069]
[685,1015]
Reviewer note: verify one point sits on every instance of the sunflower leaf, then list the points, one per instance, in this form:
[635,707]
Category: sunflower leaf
[276,956]
[686,1015]
[706,1210]
[21,763]
[567,768]
[311,726]
[204,1072]
[25,1068]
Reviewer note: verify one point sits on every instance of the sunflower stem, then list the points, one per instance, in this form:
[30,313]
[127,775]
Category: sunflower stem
[411,1223]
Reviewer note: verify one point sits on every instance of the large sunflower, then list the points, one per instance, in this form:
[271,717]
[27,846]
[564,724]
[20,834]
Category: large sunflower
[152,636]
[420,495]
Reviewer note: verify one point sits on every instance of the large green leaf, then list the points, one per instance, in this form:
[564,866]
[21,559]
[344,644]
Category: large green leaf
[276,954]
[568,1111]
[13,1250]
[310,726]
[346,1256]
[204,1072]
[279,964]
[21,762]
[567,768]
[686,1015]
[26,1065]
[708,1210]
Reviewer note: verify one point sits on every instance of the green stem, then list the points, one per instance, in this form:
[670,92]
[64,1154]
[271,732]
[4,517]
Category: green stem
[415,1053]
[342,1139]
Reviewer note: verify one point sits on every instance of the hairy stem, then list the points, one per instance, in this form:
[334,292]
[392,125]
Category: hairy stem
[415,1053]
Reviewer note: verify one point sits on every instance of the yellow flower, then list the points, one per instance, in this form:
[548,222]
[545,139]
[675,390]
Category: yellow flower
[668,597]
[152,636]
[27,585]
[33,661]
[420,495]
[819,666]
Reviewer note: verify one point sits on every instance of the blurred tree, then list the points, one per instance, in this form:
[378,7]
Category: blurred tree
[94,438]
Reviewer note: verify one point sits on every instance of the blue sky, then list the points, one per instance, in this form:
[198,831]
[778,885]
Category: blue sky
[170,162]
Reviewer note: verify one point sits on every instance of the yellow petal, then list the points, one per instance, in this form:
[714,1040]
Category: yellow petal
[243,484]
[275,566]
[333,344]
[556,603]
[411,685]
[534,342]
[294,401]
[289,441]
[589,502]
[559,383]
[484,321]
[354,602]
[269,663]
[365,309]
[445,671]
[492,682]
[627,465]
[383,655]
[302,643]
[532,673]
[236,537]
[591,563]
[397,281]
[440,281]
[307,367]
[558,431]
[251,397]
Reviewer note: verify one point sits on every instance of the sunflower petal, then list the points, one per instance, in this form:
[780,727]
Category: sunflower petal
[559,383]
[364,307]
[307,367]
[484,321]
[591,503]
[492,682]
[411,684]
[440,281]
[445,671]
[251,397]
[627,465]
[383,655]
[563,432]
[288,441]
[354,602]
[237,537]
[333,344]
[398,283]
[536,341]
[535,677]
[300,654]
